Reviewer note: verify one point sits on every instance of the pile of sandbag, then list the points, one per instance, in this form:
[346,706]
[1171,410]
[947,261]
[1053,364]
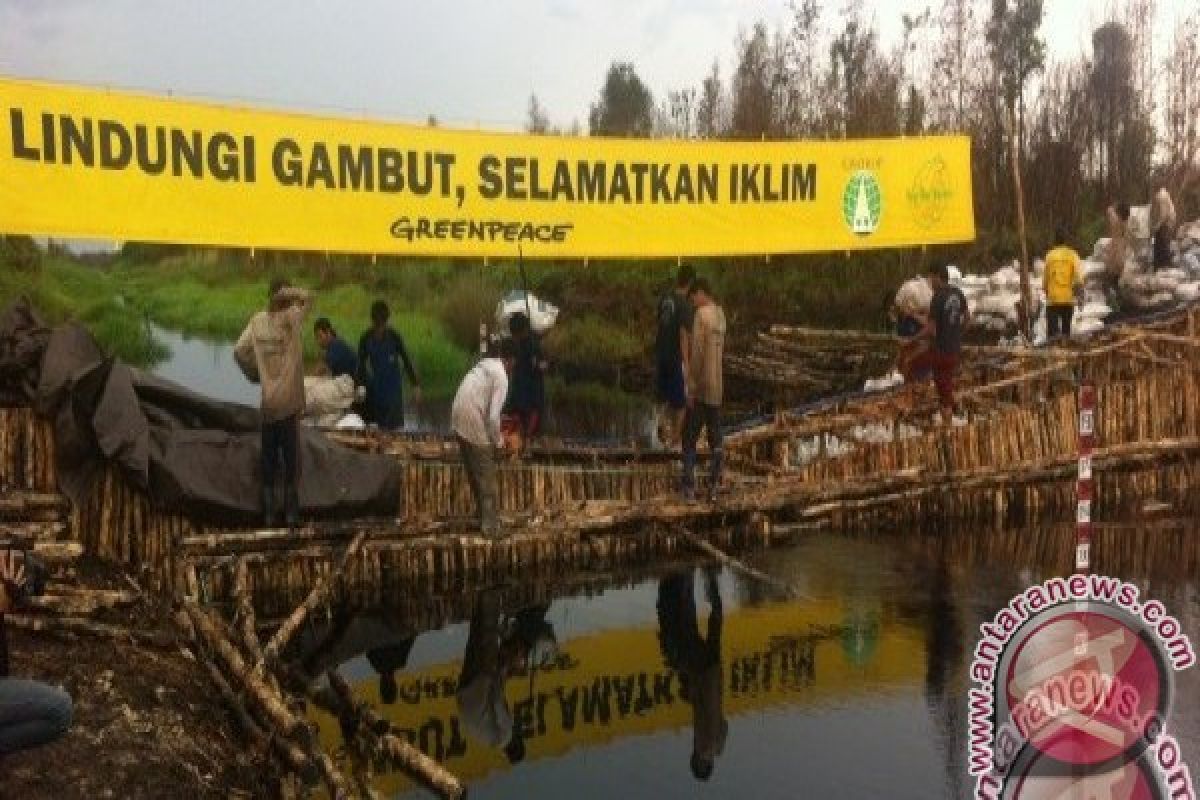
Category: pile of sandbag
[1142,289]
[326,396]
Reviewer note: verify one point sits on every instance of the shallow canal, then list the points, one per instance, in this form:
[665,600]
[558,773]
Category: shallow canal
[698,683]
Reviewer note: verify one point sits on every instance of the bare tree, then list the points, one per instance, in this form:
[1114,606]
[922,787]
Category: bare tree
[536,119]
[710,109]
[1182,68]
[955,73]
[625,107]
[753,82]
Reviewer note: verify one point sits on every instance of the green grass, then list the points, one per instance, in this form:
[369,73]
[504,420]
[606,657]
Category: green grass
[215,300]
[63,289]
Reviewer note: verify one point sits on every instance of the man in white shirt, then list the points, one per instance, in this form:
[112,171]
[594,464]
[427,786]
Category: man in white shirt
[475,420]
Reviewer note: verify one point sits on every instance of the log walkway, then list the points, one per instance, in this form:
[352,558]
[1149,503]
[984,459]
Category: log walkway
[865,462]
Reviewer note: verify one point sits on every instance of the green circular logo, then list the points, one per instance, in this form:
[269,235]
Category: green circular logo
[862,203]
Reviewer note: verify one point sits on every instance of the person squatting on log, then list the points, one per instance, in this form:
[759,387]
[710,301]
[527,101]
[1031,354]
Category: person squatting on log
[705,389]
[1162,226]
[948,317]
[270,352]
[495,651]
[909,311]
[381,351]
[31,713]
[527,391]
[697,660]
[1063,282]
[672,350]
[338,357]
[1118,240]
[475,421]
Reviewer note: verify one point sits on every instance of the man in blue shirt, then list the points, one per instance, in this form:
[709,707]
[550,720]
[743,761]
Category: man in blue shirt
[339,358]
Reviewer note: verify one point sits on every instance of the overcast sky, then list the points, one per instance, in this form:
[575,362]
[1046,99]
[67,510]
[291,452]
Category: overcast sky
[469,62]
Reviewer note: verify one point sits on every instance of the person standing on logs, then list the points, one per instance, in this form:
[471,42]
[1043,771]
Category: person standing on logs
[1118,240]
[475,420]
[672,349]
[948,317]
[381,351]
[339,358]
[697,660]
[527,391]
[270,352]
[1063,282]
[31,713]
[909,310]
[1162,227]
[705,389]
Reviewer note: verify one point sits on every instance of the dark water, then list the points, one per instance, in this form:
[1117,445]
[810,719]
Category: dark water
[208,367]
[857,690]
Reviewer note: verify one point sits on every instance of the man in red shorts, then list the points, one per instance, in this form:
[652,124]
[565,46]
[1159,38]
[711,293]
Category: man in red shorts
[948,316]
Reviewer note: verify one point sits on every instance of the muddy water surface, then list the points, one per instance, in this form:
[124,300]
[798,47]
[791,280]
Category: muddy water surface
[701,684]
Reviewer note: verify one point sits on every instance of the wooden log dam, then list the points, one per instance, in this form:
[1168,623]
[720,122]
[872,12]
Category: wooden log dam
[573,514]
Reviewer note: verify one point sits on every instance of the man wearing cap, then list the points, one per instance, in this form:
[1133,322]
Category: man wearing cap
[270,352]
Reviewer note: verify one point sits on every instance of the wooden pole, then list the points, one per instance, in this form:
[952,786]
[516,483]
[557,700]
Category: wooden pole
[316,597]
[1025,316]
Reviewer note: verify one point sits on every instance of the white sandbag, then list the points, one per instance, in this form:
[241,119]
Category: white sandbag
[1096,309]
[1005,278]
[1187,292]
[1190,263]
[1139,222]
[975,282]
[542,315]
[328,395]
[1092,268]
[351,422]
[1085,326]
[893,378]
[998,303]
[955,275]
[1100,250]
[1039,266]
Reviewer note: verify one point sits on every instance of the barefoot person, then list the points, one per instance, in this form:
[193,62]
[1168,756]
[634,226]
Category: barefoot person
[948,316]
[31,713]
[270,351]
[705,389]
[475,420]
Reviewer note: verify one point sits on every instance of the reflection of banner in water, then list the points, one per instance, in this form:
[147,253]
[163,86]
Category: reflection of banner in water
[613,684]
[85,162]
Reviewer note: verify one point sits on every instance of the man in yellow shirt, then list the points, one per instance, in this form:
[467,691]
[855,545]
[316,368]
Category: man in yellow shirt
[1061,282]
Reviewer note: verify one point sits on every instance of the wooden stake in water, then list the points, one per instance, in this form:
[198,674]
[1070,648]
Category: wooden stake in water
[1084,483]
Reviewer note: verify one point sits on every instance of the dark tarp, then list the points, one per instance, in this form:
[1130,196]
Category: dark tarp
[188,452]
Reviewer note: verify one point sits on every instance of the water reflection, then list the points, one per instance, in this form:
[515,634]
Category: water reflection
[697,660]
[498,648]
[638,691]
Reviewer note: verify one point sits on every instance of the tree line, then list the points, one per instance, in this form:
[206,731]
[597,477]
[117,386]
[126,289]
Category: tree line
[1089,130]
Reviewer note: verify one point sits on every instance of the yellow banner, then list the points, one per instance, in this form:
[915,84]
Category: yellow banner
[80,162]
